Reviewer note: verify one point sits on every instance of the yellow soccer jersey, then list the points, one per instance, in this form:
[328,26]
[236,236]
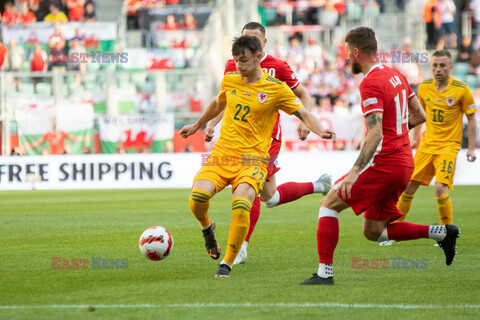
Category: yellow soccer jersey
[251,112]
[444,126]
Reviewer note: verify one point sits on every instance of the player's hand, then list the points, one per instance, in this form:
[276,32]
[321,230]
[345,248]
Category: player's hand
[208,134]
[188,130]
[347,184]
[471,156]
[302,131]
[328,134]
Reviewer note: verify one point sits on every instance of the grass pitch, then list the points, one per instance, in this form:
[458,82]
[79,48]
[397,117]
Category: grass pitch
[36,226]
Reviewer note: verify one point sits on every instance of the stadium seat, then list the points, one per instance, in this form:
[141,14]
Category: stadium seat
[461,77]
[147,87]
[93,67]
[354,11]
[460,68]
[472,81]
[139,78]
[43,89]
[26,88]
[109,67]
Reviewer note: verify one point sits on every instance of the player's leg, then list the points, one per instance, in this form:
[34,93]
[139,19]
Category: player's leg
[327,238]
[379,224]
[444,174]
[243,197]
[422,175]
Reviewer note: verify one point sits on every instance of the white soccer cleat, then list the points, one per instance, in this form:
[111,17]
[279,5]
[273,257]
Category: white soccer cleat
[323,184]
[241,256]
[387,243]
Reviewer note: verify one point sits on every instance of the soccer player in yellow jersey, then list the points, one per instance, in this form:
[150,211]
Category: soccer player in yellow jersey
[251,100]
[445,100]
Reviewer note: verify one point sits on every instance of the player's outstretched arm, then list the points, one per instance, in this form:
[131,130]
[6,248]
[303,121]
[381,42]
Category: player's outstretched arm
[416,116]
[307,102]
[372,140]
[314,125]
[472,137]
[212,110]
[210,129]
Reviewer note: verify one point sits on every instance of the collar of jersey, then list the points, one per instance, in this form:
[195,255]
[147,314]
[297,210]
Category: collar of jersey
[378,65]
[264,56]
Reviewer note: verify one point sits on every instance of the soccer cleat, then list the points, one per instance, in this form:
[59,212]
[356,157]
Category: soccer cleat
[241,256]
[387,243]
[326,181]
[211,243]
[223,271]
[316,279]
[449,243]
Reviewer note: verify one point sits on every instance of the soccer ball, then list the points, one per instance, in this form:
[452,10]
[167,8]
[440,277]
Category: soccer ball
[156,243]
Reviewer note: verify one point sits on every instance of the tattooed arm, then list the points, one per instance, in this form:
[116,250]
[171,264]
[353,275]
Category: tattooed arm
[416,116]
[374,136]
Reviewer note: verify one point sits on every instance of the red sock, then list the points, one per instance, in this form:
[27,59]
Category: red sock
[254,215]
[406,231]
[327,238]
[292,191]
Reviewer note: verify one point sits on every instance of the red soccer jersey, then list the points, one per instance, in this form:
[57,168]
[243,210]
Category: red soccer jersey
[278,69]
[387,91]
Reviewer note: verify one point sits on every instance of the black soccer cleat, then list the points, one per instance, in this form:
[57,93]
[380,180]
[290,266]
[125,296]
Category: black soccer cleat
[211,243]
[449,243]
[316,279]
[223,271]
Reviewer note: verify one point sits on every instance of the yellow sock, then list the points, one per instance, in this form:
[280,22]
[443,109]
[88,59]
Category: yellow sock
[404,204]
[199,202]
[238,228]
[445,210]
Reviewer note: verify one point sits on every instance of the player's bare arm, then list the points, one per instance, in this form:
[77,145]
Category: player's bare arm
[314,125]
[374,136]
[307,102]
[416,116]
[472,137]
[210,112]
[210,128]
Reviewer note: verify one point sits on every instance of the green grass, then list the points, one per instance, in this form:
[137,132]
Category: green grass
[36,226]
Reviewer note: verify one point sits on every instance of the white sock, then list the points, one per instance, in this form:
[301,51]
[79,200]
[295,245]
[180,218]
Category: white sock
[383,236]
[244,245]
[223,262]
[437,233]
[208,225]
[325,270]
[273,201]
[318,187]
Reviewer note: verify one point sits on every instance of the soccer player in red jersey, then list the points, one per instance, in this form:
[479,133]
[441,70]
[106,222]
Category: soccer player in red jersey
[384,165]
[272,195]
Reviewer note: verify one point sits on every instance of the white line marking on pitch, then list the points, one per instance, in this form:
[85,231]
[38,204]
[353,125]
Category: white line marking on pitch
[245,305]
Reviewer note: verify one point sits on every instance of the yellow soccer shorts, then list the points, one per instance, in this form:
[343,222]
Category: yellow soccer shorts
[428,165]
[224,170]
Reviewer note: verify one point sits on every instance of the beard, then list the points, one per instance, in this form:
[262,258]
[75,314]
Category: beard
[356,69]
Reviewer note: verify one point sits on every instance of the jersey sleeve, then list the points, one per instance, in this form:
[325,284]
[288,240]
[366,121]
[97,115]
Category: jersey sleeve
[372,97]
[230,66]
[289,102]
[468,104]
[287,75]
[421,94]
[222,95]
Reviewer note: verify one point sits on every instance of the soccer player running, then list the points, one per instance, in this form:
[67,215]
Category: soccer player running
[384,166]
[445,100]
[251,100]
[271,195]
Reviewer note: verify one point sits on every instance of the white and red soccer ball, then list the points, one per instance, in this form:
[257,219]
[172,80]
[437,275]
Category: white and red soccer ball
[156,243]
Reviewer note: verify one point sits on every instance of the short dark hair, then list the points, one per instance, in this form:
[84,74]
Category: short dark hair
[243,43]
[362,38]
[442,53]
[254,26]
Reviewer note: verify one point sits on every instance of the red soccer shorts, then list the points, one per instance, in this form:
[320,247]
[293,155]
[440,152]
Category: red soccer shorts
[377,190]
[273,152]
